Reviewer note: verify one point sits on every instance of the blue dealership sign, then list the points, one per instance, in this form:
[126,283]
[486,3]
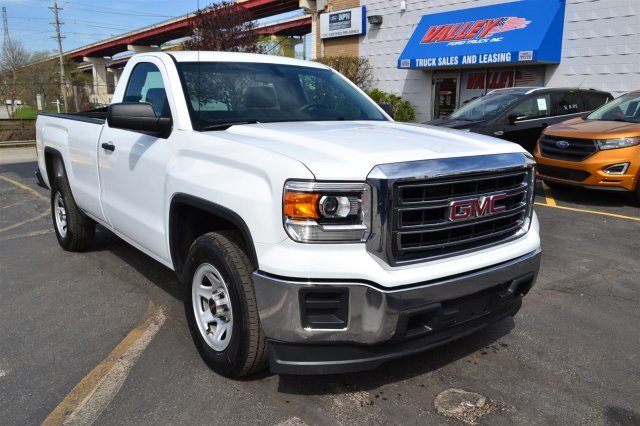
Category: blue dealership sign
[528,31]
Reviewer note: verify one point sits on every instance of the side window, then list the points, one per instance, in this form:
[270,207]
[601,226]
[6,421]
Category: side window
[532,108]
[569,103]
[594,101]
[145,85]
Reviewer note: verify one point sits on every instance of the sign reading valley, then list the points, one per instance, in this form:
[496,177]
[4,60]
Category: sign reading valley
[479,31]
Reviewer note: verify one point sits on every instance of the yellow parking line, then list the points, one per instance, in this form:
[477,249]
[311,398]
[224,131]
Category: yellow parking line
[33,219]
[619,216]
[25,187]
[97,389]
[548,195]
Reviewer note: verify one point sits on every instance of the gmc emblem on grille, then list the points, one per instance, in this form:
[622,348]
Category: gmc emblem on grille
[475,207]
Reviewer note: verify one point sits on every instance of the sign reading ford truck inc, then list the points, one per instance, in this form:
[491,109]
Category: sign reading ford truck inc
[526,31]
[341,23]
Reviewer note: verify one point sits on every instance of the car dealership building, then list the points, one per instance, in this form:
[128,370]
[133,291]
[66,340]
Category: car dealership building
[439,54]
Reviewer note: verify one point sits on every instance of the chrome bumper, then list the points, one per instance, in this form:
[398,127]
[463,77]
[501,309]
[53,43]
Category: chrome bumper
[378,315]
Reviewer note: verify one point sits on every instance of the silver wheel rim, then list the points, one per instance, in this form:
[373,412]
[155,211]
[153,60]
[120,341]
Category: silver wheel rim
[60,214]
[212,306]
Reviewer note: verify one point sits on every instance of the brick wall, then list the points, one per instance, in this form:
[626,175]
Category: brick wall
[342,46]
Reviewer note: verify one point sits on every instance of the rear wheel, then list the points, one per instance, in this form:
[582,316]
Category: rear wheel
[221,307]
[75,232]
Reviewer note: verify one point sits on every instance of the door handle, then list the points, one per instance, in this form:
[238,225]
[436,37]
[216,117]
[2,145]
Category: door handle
[109,146]
[498,133]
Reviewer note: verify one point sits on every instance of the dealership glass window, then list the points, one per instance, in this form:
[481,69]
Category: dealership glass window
[478,82]
[532,108]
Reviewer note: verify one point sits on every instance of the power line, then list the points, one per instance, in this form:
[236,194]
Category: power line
[140,12]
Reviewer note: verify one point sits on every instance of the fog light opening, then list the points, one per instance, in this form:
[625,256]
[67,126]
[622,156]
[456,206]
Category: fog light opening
[616,169]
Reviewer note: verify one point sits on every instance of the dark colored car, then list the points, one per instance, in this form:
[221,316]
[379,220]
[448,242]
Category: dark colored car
[520,114]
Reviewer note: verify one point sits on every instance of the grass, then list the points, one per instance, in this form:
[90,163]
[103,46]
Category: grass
[25,113]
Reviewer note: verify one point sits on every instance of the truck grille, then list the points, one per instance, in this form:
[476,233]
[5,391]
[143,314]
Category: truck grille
[422,223]
[426,209]
[576,150]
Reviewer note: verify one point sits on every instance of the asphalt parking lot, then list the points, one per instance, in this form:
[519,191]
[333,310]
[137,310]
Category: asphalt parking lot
[571,356]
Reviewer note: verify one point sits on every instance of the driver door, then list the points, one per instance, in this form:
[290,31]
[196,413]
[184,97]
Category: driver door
[133,166]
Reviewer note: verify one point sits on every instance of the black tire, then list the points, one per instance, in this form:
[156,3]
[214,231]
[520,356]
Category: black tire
[246,350]
[75,232]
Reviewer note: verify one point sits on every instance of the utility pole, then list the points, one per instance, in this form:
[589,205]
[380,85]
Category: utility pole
[63,83]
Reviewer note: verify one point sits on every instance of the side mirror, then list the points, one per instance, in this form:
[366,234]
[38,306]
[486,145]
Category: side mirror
[138,117]
[515,117]
[388,109]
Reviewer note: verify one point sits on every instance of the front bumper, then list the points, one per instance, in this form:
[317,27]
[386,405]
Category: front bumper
[349,326]
[590,172]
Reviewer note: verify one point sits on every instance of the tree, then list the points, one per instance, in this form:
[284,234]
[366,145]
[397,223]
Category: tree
[355,68]
[14,57]
[224,26]
[39,76]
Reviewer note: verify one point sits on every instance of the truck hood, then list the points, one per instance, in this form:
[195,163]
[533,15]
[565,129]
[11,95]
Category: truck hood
[348,150]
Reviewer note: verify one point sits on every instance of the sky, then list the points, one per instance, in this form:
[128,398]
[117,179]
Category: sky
[88,21]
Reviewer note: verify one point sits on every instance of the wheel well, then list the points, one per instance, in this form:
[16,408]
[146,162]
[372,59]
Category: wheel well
[54,164]
[190,217]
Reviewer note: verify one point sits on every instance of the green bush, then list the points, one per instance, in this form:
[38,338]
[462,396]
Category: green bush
[404,111]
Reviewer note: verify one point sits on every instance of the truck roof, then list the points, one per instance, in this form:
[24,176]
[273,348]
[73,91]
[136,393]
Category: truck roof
[209,56]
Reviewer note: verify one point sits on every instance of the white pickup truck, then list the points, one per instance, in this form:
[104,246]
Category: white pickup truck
[311,232]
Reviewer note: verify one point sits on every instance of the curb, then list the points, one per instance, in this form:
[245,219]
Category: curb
[17,144]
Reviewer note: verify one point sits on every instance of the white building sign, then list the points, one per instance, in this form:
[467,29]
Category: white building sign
[343,23]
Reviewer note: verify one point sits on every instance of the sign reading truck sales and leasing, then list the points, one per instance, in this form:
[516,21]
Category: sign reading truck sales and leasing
[527,31]
[341,23]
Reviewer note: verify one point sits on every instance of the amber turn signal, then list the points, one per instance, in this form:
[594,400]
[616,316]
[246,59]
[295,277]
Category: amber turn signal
[301,205]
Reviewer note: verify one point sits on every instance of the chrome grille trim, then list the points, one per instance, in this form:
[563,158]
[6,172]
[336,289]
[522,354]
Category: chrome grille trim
[517,225]
[389,224]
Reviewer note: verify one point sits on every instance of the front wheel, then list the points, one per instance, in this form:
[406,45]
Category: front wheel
[74,231]
[221,308]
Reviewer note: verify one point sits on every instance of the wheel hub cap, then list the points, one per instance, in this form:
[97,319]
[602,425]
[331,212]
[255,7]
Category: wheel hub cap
[60,214]
[212,306]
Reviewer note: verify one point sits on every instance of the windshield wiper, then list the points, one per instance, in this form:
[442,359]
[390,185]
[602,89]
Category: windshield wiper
[225,126]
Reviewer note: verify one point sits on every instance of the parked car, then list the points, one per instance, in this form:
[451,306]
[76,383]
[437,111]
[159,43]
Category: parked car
[600,150]
[520,114]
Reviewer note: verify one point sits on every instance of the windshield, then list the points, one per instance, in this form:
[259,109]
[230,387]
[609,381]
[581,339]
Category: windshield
[485,107]
[625,108]
[223,93]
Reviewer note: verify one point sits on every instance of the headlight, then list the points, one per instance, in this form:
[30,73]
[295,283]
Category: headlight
[617,143]
[315,212]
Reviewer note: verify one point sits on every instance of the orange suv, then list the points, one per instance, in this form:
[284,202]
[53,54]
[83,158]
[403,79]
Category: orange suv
[599,150]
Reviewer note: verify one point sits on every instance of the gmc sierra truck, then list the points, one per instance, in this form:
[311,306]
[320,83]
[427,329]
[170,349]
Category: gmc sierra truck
[312,233]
